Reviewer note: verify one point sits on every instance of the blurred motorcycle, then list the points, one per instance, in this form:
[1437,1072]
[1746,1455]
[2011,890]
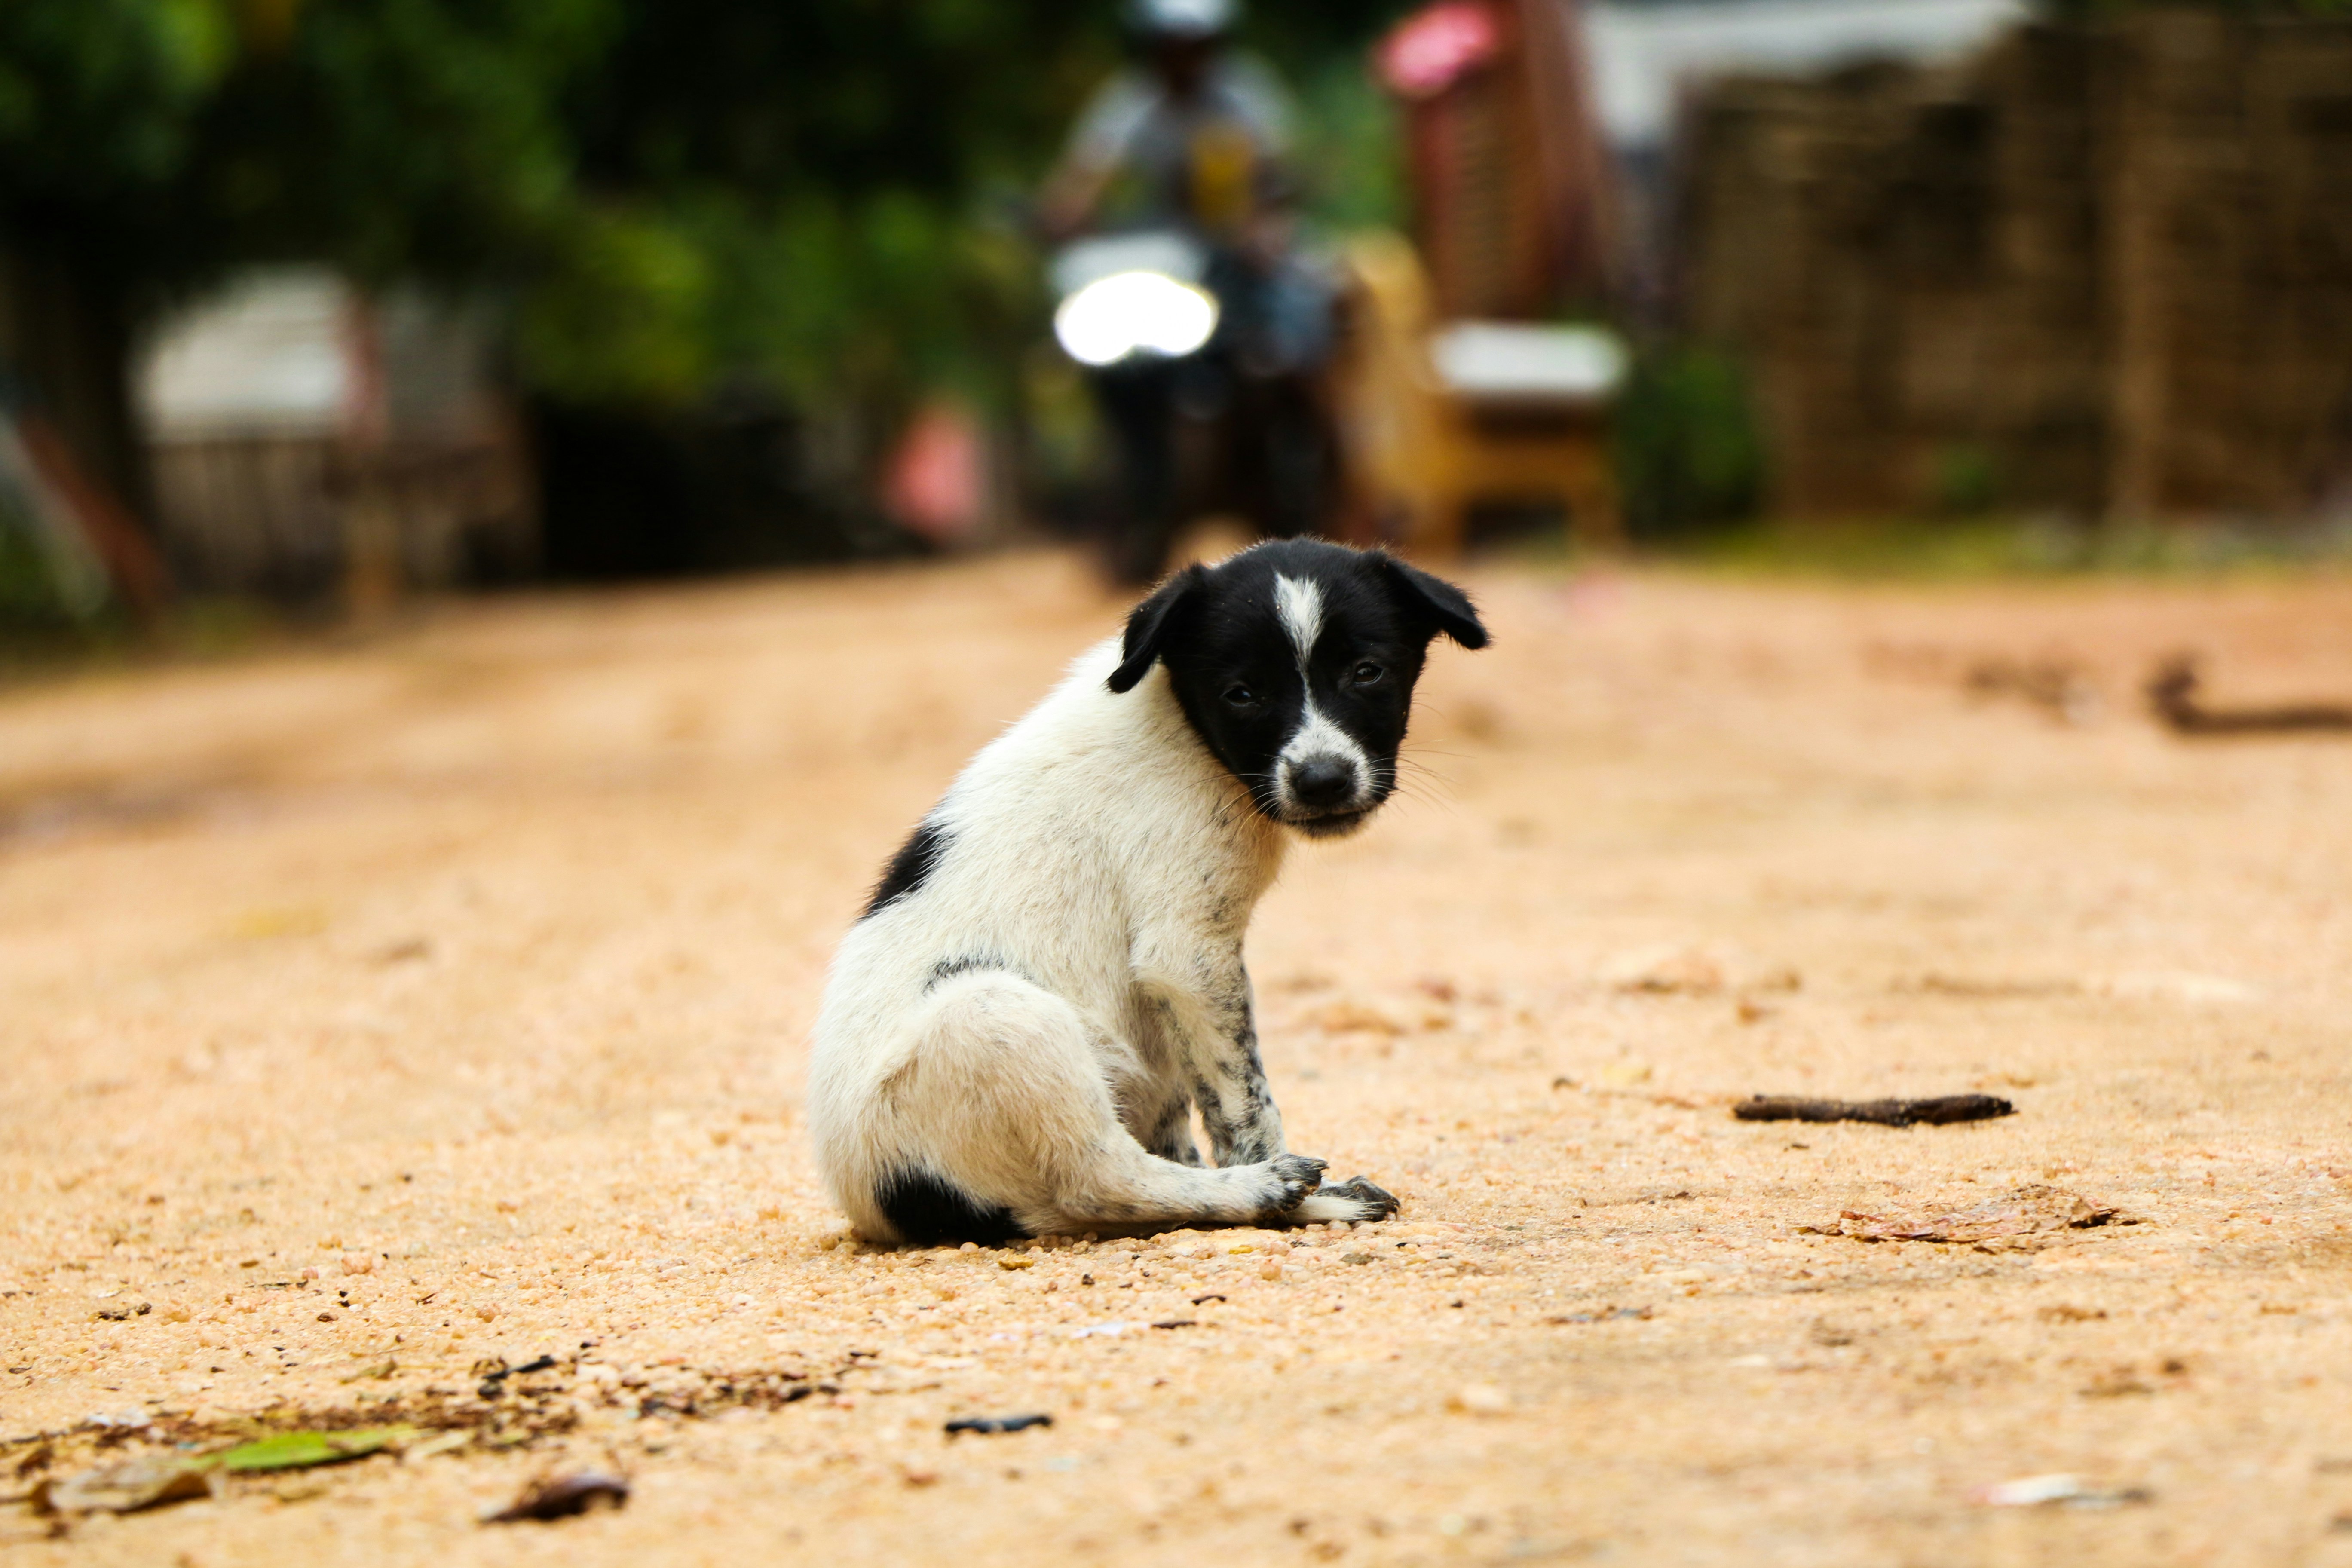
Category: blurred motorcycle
[1205,361]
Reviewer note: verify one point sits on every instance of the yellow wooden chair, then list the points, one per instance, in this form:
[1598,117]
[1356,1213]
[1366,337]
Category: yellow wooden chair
[1440,418]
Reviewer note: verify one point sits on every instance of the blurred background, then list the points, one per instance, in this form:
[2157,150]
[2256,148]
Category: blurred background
[318,305]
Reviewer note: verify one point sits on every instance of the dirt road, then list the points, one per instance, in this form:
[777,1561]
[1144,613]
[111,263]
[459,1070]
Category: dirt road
[378,1017]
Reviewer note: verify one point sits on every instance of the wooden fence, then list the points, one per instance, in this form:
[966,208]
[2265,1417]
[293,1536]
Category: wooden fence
[2102,270]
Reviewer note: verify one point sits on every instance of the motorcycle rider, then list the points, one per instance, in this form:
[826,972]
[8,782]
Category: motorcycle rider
[1198,141]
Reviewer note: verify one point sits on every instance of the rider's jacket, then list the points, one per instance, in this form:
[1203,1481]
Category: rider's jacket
[1208,163]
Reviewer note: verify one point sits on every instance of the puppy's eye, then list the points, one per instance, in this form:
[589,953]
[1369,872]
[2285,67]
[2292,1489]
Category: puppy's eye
[1241,695]
[1366,673]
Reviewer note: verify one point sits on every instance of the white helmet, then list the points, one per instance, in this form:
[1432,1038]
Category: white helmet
[1181,18]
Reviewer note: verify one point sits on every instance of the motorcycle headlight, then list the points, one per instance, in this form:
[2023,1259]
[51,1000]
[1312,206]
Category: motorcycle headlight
[1133,312]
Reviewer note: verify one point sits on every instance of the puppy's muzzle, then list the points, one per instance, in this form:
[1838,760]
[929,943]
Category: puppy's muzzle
[1324,793]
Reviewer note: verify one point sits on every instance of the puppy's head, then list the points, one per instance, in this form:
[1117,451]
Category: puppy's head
[1294,662]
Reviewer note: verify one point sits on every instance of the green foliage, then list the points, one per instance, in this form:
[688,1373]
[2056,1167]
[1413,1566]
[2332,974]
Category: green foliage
[400,137]
[1298,37]
[836,167]
[841,295]
[1689,456]
[821,198]
[28,586]
[846,97]
[852,174]
[1965,481]
[619,315]
[97,97]
[158,142]
[1349,157]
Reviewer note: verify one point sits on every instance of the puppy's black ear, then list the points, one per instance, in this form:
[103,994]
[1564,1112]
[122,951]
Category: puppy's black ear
[1435,600]
[1150,624]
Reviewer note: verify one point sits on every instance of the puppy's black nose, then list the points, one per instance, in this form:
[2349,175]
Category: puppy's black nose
[1321,783]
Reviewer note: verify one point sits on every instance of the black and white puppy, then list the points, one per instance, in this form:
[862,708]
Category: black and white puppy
[1048,981]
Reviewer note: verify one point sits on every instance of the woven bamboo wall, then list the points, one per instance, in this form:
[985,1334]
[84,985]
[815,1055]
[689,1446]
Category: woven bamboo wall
[2102,271]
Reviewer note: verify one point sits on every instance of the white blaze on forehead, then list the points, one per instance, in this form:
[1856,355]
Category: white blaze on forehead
[1298,605]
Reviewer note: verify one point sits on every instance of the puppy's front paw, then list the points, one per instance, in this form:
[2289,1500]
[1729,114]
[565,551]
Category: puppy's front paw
[1295,1177]
[1354,1201]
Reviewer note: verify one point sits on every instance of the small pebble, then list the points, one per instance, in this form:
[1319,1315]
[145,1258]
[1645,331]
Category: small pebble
[562,1497]
[1479,1399]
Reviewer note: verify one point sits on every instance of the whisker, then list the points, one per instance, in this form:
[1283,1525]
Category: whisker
[1423,769]
[1432,785]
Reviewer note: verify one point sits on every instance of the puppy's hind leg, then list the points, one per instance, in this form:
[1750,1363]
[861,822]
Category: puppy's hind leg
[998,1122]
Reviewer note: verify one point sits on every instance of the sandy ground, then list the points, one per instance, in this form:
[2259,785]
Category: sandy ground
[379,1014]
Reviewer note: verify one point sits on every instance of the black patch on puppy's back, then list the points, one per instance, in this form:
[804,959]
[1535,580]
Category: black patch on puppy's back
[929,1212]
[911,867]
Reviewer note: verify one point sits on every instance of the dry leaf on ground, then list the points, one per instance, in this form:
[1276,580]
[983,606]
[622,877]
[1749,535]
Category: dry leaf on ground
[147,1482]
[2027,1217]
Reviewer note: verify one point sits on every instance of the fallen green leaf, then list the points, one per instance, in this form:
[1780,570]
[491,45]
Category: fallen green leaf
[301,1450]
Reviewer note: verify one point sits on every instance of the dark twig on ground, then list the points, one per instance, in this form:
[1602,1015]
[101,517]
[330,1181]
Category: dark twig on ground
[2172,693]
[1885,1112]
[564,1497]
[998,1424]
